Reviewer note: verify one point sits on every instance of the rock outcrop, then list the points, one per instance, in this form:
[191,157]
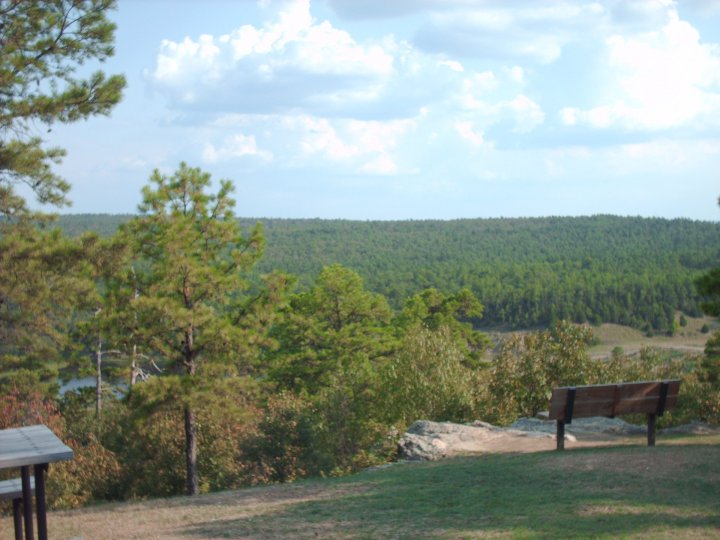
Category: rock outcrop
[426,440]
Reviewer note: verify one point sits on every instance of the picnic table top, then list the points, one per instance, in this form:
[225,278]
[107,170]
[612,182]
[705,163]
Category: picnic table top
[31,445]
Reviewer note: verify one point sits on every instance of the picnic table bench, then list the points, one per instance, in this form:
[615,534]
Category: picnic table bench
[652,398]
[12,490]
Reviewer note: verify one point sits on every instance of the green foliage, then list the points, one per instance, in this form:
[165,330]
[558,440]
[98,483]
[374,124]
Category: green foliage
[527,368]
[527,272]
[349,423]
[334,325]
[428,379]
[708,286]
[283,447]
[148,435]
[189,305]
[45,282]
[43,44]
[436,310]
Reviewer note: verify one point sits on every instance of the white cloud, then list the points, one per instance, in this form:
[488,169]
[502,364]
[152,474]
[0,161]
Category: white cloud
[233,147]
[479,95]
[657,80]
[290,62]
[453,65]
[536,31]
[516,74]
[528,114]
[467,131]
[382,165]
[320,137]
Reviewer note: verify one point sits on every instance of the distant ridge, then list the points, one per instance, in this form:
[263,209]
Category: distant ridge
[527,271]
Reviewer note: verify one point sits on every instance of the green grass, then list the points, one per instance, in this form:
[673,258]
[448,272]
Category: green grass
[669,491]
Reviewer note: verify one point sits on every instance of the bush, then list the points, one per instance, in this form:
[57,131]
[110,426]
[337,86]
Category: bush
[428,379]
[90,475]
[528,367]
[153,440]
[282,447]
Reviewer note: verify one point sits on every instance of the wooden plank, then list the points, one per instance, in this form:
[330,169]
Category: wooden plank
[613,399]
[31,445]
[12,489]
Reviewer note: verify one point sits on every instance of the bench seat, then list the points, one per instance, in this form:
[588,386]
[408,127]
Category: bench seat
[12,490]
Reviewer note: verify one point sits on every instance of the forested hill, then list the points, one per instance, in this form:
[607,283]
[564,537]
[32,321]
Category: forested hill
[527,272]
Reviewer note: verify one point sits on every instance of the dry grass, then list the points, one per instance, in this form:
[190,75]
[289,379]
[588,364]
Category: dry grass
[670,491]
[687,339]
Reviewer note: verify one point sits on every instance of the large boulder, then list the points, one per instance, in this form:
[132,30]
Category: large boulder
[426,440]
[582,426]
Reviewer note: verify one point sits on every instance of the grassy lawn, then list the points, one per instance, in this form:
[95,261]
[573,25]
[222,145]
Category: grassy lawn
[670,491]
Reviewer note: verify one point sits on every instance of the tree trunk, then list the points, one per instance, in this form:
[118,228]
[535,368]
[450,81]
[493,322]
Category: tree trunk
[192,478]
[133,367]
[98,377]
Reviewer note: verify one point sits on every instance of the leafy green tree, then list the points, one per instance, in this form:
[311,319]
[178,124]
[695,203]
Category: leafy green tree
[334,324]
[191,263]
[44,277]
[43,44]
[708,286]
[333,341]
[527,368]
[453,312]
[45,281]
[428,379]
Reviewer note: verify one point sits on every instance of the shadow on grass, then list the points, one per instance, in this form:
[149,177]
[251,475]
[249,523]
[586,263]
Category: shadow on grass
[667,491]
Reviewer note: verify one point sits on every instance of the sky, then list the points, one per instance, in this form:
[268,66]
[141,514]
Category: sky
[413,109]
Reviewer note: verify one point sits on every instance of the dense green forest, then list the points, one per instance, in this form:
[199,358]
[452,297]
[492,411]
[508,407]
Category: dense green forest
[233,352]
[526,272]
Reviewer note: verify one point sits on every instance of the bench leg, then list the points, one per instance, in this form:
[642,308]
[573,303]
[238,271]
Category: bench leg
[560,435]
[17,519]
[27,502]
[651,429]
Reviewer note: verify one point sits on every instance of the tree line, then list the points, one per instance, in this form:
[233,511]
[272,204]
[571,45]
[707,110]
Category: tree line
[527,272]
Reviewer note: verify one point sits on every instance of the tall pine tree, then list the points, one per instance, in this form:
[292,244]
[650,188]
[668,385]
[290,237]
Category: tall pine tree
[191,262]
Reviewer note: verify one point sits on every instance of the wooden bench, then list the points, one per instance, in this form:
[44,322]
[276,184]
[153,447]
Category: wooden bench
[12,490]
[651,398]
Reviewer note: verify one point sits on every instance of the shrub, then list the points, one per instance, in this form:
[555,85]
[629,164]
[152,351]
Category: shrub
[527,368]
[282,447]
[428,379]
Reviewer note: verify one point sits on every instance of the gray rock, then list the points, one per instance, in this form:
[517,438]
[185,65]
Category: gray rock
[693,428]
[534,425]
[596,424]
[414,447]
[608,426]
[426,440]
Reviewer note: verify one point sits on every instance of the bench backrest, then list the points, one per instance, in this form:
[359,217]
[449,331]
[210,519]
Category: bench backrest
[610,400]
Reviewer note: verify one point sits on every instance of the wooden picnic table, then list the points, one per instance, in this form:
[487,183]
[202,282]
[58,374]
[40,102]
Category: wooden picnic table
[34,446]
